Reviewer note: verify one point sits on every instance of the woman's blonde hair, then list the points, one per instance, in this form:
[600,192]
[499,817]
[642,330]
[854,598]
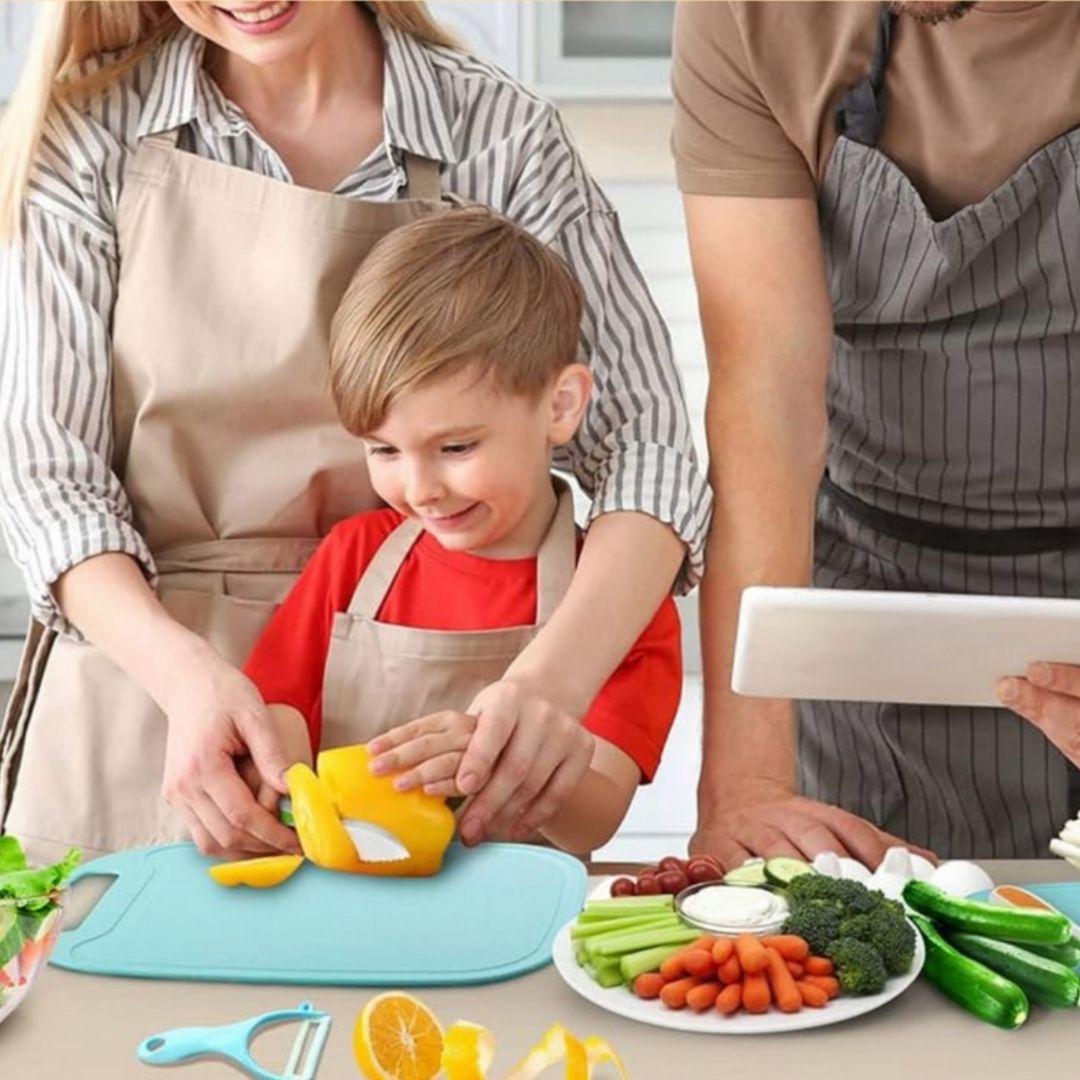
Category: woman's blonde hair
[71,31]
[465,289]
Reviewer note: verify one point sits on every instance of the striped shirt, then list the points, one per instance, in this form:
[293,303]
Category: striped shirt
[499,145]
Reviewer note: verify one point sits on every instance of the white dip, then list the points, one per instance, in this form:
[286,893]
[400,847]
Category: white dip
[735,906]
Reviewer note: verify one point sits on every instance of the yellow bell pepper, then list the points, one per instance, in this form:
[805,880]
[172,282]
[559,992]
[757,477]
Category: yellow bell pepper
[257,873]
[422,822]
[318,824]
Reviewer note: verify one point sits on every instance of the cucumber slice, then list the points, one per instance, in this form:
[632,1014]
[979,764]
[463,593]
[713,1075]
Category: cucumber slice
[751,875]
[784,870]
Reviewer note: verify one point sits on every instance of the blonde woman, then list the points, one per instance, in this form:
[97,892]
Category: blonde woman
[186,189]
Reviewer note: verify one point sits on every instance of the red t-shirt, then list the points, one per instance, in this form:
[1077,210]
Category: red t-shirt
[438,589]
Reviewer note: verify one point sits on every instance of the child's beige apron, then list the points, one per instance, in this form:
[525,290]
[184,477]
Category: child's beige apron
[230,449]
[378,676]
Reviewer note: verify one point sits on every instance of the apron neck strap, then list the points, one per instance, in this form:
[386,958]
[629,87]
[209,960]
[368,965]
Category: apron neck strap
[555,562]
[860,116]
[422,178]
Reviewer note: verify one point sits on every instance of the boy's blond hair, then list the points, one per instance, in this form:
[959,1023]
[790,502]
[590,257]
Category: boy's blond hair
[464,288]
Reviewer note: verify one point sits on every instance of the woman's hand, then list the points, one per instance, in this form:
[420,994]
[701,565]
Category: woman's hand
[1048,697]
[216,720]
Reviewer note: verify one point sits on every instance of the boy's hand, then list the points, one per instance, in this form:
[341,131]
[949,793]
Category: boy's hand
[525,760]
[426,752]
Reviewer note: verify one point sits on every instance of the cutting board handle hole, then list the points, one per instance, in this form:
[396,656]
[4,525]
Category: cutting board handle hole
[83,897]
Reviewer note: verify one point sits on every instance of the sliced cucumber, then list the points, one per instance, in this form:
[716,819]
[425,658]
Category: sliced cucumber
[749,874]
[1045,981]
[984,993]
[1021,925]
[784,870]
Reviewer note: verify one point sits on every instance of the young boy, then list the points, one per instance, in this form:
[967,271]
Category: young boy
[453,360]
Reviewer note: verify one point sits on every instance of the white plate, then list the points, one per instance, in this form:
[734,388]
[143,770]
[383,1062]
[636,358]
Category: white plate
[622,1002]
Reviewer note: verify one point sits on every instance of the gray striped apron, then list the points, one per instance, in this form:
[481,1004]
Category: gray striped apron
[950,467]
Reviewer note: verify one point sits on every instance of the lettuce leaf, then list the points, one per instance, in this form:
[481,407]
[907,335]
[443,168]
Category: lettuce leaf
[31,888]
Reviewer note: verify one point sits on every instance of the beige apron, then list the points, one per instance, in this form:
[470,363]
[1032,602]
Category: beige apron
[230,449]
[378,675]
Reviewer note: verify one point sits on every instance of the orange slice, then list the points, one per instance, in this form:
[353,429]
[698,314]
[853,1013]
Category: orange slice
[398,1037]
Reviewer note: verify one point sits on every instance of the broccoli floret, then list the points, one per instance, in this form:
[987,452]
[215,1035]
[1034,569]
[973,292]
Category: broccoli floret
[889,933]
[817,922]
[859,967]
[849,895]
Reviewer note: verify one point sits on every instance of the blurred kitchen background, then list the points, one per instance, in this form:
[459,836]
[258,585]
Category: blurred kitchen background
[606,65]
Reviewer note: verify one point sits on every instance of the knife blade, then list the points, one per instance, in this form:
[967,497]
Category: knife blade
[373,843]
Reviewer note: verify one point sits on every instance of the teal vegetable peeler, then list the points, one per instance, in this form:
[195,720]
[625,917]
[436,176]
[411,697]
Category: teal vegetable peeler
[233,1042]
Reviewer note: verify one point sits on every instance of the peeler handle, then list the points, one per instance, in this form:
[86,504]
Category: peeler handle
[231,1041]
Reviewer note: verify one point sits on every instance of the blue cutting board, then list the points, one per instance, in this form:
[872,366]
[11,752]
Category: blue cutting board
[490,914]
[1064,895]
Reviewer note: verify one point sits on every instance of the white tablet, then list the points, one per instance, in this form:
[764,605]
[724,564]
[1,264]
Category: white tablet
[919,648]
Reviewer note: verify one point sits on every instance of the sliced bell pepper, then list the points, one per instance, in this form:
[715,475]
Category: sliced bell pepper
[318,823]
[422,822]
[257,873]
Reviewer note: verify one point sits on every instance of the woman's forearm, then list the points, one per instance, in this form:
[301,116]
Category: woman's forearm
[627,566]
[110,602]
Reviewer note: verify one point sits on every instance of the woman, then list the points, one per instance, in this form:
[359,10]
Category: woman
[189,186]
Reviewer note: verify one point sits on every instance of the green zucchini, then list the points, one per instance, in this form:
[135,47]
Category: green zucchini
[988,920]
[1067,954]
[783,870]
[984,993]
[1044,981]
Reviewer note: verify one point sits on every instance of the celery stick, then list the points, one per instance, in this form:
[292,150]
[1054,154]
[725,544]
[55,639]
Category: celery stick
[607,977]
[623,905]
[637,963]
[616,935]
[632,941]
[580,955]
[591,929]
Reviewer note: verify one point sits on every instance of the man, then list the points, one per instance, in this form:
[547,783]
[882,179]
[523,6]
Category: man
[885,226]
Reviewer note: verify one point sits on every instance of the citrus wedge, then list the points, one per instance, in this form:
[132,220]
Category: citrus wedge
[468,1051]
[599,1052]
[398,1037]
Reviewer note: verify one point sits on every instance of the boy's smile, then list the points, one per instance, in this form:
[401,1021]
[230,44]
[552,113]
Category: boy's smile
[472,463]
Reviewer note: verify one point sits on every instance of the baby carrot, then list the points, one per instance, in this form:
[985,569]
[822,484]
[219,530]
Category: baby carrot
[704,996]
[797,970]
[729,999]
[818,965]
[674,967]
[785,992]
[751,953]
[812,995]
[674,994]
[722,950]
[730,971]
[830,985]
[699,962]
[756,995]
[789,946]
[707,943]
[649,985]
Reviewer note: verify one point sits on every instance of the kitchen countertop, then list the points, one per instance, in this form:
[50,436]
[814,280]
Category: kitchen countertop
[87,1026]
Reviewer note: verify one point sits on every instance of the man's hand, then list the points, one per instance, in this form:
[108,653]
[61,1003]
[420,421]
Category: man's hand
[770,820]
[1049,698]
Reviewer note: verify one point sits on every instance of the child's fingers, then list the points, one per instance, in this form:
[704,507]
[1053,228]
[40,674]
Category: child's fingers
[433,723]
[419,750]
[434,771]
[443,789]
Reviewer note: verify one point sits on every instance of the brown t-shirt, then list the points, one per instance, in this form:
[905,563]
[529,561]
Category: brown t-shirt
[967,101]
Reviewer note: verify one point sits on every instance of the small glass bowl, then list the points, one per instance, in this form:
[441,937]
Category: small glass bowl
[30,955]
[773,927]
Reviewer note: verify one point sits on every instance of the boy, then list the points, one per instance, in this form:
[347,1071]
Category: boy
[453,360]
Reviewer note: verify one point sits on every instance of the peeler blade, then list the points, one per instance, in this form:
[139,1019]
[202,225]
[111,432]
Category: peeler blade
[373,843]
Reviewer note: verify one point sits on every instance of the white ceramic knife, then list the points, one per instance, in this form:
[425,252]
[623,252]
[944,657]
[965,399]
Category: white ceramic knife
[373,843]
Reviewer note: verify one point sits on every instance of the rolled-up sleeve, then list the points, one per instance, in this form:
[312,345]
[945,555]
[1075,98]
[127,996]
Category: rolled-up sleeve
[634,450]
[60,501]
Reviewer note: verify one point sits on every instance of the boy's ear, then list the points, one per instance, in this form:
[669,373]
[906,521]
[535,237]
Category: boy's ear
[569,399]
